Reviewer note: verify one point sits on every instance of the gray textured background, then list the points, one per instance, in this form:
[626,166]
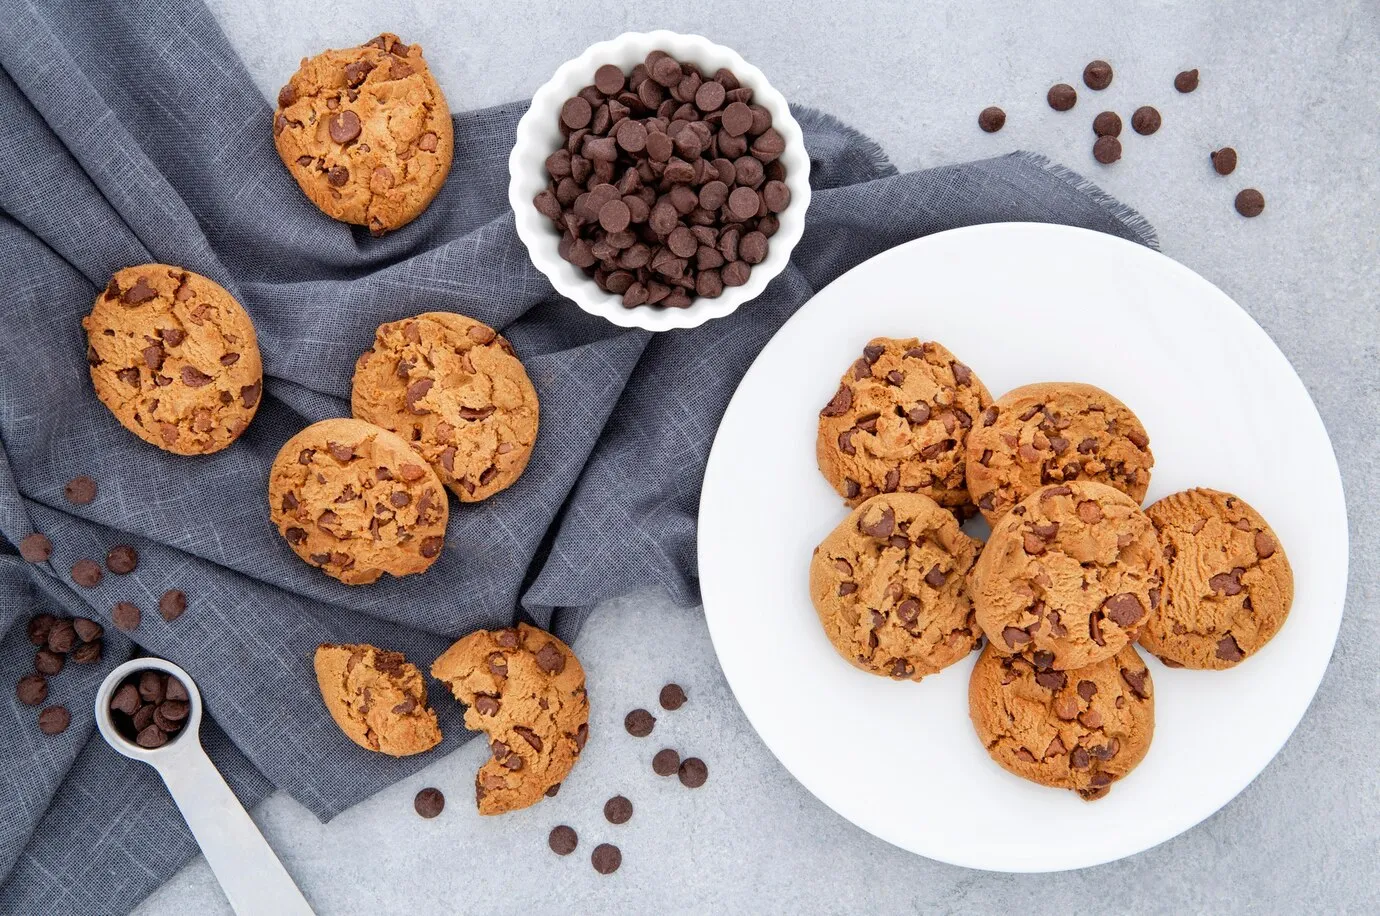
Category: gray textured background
[1292,85]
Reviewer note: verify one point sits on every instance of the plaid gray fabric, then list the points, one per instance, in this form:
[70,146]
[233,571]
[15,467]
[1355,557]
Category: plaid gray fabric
[132,134]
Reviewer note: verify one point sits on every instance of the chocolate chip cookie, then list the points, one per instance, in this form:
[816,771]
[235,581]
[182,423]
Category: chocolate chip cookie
[366,133]
[377,698]
[899,423]
[453,388]
[357,501]
[1054,432]
[1068,577]
[175,358]
[890,587]
[1227,582]
[526,690]
[1081,729]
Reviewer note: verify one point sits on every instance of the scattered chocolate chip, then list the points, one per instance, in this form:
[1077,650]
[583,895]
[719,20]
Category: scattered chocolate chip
[172,604]
[666,762]
[618,810]
[32,689]
[38,628]
[87,630]
[1145,120]
[62,636]
[87,653]
[1097,75]
[639,723]
[126,616]
[429,802]
[48,662]
[54,720]
[1250,202]
[36,548]
[1223,160]
[80,490]
[86,573]
[693,772]
[672,697]
[1107,124]
[1107,150]
[992,119]
[552,790]
[1061,96]
[562,840]
[606,858]
[1186,81]
[122,560]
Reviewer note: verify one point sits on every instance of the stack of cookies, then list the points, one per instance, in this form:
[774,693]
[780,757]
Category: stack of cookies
[1073,574]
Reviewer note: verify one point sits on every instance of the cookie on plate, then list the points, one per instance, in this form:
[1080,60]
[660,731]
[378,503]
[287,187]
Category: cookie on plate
[525,689]
[1068,576]
[377,698]
[1054,432]
[357,501]
[175,358]
[366,133]
[453,388]
[1081,730]
[899,422]
[890,587]
[1227,582]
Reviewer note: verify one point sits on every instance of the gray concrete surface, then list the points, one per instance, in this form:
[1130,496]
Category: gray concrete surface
[1292,85]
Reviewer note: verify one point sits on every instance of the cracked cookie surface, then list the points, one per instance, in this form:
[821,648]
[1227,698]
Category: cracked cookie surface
[890,587]
[899,422]
[1054,432]
[1082,729]
[455,390]
[366,133]
[1227,582]
[525,689]
[1068,576]
[357,501]
[377,698]
[175,358]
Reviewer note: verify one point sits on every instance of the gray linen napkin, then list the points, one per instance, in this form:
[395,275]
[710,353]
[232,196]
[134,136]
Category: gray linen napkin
[133,134]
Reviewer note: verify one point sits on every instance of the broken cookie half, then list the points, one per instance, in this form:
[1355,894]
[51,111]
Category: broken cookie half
[525,689]
[377,698]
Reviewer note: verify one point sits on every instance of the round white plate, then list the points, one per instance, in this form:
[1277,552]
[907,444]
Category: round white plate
[1018,303]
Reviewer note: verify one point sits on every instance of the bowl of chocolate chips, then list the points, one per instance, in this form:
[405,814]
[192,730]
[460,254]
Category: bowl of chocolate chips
[659,181]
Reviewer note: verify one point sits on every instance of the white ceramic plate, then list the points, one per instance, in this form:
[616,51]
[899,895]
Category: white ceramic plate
[1018,303]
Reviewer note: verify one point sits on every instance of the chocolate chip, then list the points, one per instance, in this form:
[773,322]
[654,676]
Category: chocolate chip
[87,653]
[48,662]
[606,858]
[991,119]
[1107,150]
[86,573]
[139,293]
[1228,583]
[36,548]
[1145,120]
[552,790]
[881,526]
[38,628]
[151,736]
[1250,202]
[1223,160]
[618,810]
[1229,650]
[32,689]
[54,720]
[562,840]
[143,717]
[693,772]
[1061,96]
[126,616]
[550,659]
[62,636]
[172,604]
[343,126]
[1097,75]
[666,762]
[126,699]
[486,705]
[1124,609]
[1107,124]
[672,697]
[1051,680]
[429,802]
[122,560]
[1138,681]
[1186,81]
[80,490]
[639,723]
[839,404]
[152,685]
[1264,545]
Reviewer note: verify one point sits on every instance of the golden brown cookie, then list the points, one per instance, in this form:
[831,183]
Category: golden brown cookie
[526,690]
[1068,576]
[454,389]
[1227,582]
[890,587]
[357,501]
[898,423]
[366,133]
[174,357]
[377,698]
[1081,730]
[1055,432]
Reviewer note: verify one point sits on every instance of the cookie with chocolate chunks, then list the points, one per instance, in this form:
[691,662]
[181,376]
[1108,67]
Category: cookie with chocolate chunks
[378,698]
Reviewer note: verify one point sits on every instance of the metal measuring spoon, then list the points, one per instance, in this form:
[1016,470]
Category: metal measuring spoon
[250,874]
